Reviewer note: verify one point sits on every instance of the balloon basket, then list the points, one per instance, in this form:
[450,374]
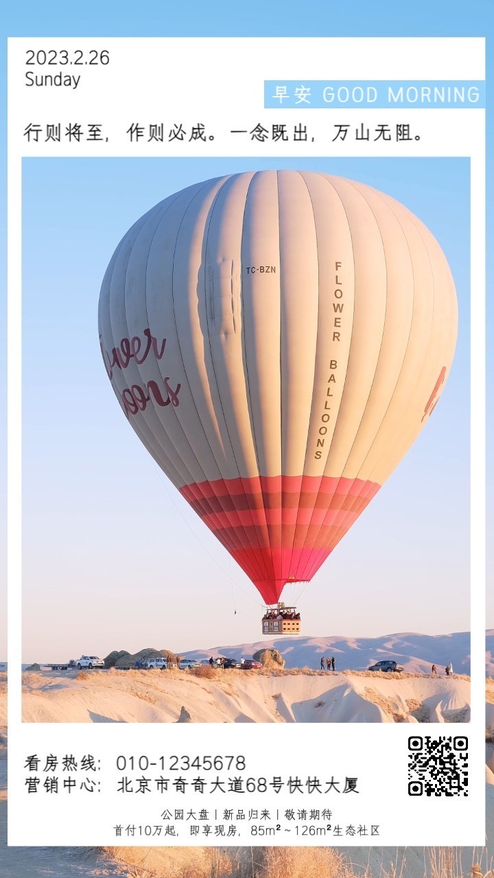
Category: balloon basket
[281,620]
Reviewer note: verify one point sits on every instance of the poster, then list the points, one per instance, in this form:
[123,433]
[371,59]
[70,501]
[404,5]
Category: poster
[294,331]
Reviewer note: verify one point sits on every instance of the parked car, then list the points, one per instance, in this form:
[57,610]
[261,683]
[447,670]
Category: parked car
[386,665]
[155,662]
[185,664]
[231,663]
[90,661]
[250,665]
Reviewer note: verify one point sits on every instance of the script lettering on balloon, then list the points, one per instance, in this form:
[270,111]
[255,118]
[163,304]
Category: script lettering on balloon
[134,348]
[135,398]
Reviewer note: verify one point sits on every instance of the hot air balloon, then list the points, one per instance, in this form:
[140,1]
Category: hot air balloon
[277,340]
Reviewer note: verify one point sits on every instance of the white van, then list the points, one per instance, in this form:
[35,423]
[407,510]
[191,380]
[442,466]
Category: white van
[155,662]
[90,661]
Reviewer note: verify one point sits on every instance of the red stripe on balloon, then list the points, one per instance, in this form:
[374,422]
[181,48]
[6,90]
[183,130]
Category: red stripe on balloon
[280,528]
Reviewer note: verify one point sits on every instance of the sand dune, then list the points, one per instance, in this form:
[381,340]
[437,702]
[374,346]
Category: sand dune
[416,652]
[242,696]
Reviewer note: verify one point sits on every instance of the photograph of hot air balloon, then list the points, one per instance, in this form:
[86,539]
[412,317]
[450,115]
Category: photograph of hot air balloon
[278,338]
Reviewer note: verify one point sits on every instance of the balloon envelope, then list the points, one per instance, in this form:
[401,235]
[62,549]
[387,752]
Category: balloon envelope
[278,340]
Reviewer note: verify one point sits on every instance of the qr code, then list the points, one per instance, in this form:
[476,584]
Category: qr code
[438,766]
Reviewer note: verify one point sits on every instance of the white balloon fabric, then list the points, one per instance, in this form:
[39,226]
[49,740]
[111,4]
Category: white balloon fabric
[278,339]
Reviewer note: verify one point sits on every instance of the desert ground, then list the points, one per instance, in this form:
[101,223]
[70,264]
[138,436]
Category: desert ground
[290,687]
[206,695]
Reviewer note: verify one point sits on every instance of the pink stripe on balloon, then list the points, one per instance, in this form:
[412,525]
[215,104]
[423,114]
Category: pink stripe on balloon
[281,528]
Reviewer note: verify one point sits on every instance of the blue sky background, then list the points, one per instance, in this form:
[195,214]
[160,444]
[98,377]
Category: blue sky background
[113,557]
[256,18]
[328,18]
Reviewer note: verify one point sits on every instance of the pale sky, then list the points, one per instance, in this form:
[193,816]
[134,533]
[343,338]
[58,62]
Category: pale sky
[114,558]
